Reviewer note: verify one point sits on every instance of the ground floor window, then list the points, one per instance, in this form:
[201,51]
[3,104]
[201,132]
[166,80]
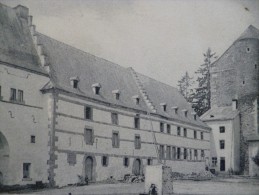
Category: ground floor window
[178,153]
[26,170]
[105,161]
[185,153]
[214,161]
[126,162]
[149,161]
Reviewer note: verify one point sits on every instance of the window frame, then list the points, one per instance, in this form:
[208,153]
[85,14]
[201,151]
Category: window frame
[137,142]
[106,158]
[162,151]
[126,161]
[114,145]
[222,129]
[20,96]
[222,144]
[202,135]
[26,173]
[185,154]
[114,118]
[185,132]
[161,127]
[179,131]
[168,129]
[136,122]
[194,134]
[33,139]
[90,112]
[90,142]
[13,95]
[149,161]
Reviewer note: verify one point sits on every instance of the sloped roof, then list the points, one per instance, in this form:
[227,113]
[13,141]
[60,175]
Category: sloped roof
[250,32]
[67,62]
[160,93]
[220,113]
[16,45]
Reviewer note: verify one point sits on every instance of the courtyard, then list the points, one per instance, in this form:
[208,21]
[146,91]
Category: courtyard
[215,186]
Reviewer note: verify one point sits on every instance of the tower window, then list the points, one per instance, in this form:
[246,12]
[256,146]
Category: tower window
[33,139]
[247,49]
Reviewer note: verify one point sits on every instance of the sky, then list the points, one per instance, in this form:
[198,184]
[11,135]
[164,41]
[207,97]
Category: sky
[161,39]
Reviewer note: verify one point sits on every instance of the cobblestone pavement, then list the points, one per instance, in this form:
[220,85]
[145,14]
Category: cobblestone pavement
[219,186]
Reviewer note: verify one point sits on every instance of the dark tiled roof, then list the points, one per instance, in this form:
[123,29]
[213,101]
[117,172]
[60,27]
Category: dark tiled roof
[16,45]
[250,32]
[220,113]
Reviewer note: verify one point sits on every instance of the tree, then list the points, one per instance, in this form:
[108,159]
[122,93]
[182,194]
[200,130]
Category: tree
[202,94]
[185,85]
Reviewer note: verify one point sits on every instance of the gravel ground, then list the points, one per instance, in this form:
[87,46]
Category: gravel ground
[217,186]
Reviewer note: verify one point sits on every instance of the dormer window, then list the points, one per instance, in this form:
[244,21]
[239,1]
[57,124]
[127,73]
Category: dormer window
[175,110]
[116,94]
[96,88]
[194,116]
[74,82]
[136,99]
[163,105]
[185,112]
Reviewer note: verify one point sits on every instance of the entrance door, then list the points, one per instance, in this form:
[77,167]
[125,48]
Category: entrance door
[89,168]
[222,163]
[136,167]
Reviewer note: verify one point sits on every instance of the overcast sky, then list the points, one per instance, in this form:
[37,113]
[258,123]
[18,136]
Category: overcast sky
[161,39]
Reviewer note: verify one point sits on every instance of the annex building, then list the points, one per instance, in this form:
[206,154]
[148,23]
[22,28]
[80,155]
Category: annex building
[65,112]
[234,113]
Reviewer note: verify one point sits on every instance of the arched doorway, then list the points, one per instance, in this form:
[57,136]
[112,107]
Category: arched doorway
[137,167]
[4,159]
[89,168]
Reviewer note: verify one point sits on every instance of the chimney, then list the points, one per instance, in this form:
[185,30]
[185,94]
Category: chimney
[22,11]
[234,104]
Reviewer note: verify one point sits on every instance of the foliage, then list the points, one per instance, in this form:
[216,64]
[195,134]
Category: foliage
[185,85]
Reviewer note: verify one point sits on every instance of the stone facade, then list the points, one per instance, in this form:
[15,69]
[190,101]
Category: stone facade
[80,115]
[234,76]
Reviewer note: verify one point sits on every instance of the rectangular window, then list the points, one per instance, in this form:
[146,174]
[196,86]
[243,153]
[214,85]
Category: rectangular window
[173,153]
[185,153]
[13,94]
[195,134]
[136,122]
[168,152]
[168,127]
[149,161]
[33,139]
[137,142]
[71,158]
[222,144]
[0,92]
[190,154]
[214,161]
[88,136]
[202,135]
[202,154]
[178,153]
[161,152]
[105,161]
[195,155]
[20,95]
[179,131]
[126,161]
[222,129]
[115,140]
[161,127]
[26,170]
[114,117]
[88,113]
[185,132]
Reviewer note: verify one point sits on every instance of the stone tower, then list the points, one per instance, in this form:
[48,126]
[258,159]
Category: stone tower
[234,76]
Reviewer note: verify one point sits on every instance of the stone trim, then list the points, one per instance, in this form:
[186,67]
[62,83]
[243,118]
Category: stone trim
[21,104]
[104,123]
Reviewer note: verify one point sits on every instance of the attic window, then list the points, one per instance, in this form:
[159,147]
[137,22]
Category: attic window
[74,82]
[175,110]
[194,116]
[116,94]
[185,112]
[136,99]
[163,106]
[96,88]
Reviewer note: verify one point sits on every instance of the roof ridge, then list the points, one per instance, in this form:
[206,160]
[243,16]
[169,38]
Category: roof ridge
[85,52]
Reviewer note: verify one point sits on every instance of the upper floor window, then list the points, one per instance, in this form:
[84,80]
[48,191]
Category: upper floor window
[222,129]
[168,127]
[190,154]
[89,136]
[173,152]
[178,153]
[161,152]
[115,140]
[179,131]
[13,94]
[222,144]
[114,118]
[20,95]
[184,153]
[185,132]
[202,154]
[168,152]
[136,122]
[33,139]
[137,142]
[195,154]
[161,127]
[88,113]
[201,135]
[195,134]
